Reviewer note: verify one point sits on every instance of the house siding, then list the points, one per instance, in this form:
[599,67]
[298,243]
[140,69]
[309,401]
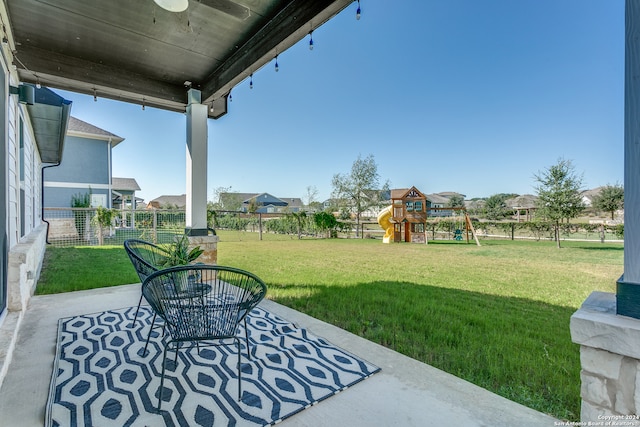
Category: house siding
[73,176]
[23,216]
[25,233]
[12,166]
[29,212]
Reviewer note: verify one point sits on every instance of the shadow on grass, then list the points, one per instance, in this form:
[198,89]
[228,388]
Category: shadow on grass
[518,348]
[602,248]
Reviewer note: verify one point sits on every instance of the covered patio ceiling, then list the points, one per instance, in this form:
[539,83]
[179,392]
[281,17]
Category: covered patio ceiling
[138,52]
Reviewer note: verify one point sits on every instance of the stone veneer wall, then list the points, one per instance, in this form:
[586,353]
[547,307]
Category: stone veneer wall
[610,359]
[209,244]
[25,262]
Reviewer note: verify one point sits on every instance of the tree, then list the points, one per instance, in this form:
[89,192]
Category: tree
[103,219]
[226,200]
[495,207]
[359,190]
[610,199]
[312,193]
[325,222]
[80,200]
[299,217]
[559,195]
[456,201]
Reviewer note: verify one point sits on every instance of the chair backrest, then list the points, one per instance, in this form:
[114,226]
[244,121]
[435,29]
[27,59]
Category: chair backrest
[146,257]
[200,302]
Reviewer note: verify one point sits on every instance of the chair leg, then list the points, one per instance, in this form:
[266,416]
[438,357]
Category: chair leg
[137,310]
[164,357]
[246,336]
[153,322]
[239,369]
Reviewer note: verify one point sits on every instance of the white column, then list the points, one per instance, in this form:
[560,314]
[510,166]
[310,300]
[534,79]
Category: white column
[632,144]
[196,209]
[628,287]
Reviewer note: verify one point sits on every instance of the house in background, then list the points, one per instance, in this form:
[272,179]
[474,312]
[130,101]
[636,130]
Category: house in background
[168,201]
[267,203]
[86,167]
[123,198]
[123,193]
[260,203]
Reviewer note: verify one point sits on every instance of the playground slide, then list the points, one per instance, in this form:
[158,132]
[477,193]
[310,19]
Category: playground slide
[384,221]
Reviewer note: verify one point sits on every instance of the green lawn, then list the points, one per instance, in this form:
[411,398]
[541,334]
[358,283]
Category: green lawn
[496,315]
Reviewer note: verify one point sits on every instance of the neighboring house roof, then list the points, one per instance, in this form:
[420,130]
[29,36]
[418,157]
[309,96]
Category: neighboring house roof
[450,194]
[83,129]
[179,201]
[293,202]
[265,199]
[589,195]
[124,184]
[522,201]
[437,199]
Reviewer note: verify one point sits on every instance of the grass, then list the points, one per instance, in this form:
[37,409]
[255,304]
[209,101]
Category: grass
[496,315]
[84,267]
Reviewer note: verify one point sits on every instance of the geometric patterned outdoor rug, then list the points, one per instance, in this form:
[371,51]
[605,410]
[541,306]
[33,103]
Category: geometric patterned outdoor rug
[101,377]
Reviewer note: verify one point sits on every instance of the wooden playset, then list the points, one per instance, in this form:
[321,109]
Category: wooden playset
[406,218]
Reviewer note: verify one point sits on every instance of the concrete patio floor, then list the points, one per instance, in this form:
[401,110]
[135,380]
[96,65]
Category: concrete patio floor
[405,393]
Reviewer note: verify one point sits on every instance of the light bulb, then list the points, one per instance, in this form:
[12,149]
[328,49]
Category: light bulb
[358,12]
[310,41]
[277,66]
[251,81]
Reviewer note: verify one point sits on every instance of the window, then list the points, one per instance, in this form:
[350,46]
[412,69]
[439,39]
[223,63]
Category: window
[409,206]
[98,200]
[417,228]
[417,206]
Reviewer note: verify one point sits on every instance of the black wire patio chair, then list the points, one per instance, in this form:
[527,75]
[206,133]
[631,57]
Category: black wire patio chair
[146,258]
[202,304]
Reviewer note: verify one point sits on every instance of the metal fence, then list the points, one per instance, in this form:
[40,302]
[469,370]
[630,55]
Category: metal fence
[77,227]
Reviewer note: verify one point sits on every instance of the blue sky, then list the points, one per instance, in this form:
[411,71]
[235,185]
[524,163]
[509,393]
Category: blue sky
[447,95]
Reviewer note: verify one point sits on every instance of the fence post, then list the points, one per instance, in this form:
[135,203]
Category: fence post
[260,223]
[155,225]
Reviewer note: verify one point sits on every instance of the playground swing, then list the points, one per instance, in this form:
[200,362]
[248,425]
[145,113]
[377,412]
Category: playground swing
[457,234]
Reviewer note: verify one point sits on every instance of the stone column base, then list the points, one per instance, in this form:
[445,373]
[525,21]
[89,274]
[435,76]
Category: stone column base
[610,359]
[210,246]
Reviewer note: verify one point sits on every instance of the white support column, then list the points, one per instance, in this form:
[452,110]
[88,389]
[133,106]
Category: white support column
[196,209]
[628,290]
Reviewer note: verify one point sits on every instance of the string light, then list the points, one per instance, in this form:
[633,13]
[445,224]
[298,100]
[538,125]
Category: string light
[251,81]
[310,40]
[358,11]
[95,95]
[230,98]
[143,101]
[38,85]
[277,67]
[211,109]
